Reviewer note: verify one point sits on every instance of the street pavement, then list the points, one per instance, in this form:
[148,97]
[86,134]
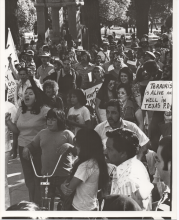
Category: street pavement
[17,188]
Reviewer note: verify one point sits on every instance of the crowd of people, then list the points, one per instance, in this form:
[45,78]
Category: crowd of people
[115,156]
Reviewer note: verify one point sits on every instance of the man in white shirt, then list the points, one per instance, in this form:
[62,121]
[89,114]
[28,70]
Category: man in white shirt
[104,54]
[114,121]
[130,177]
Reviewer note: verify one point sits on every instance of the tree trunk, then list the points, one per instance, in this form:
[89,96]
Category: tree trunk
[91,20]
[11,21]
[142,10]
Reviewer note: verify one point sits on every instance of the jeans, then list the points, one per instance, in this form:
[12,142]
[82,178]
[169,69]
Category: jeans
[31,181]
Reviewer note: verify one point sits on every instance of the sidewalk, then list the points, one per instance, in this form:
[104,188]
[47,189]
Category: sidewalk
[17,188]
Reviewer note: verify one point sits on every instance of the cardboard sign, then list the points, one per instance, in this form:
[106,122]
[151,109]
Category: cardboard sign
[11,84]
[158,96]
[91,94]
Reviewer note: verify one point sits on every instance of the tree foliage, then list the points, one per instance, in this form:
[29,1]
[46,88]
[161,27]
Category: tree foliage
[26,14]
[113,12]
[160,10]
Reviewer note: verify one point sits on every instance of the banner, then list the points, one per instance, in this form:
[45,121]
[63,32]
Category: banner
[10,50]
[91,94]
[11,84]
[158,96]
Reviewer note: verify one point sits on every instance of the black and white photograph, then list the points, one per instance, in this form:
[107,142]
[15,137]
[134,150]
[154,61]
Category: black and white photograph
[89,108]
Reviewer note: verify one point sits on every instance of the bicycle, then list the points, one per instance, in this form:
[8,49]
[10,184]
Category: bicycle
[46,203]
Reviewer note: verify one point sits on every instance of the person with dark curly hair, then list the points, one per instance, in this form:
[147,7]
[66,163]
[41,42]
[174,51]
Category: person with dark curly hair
[49,140]
[50,88]
[126,77]
[131,177]
[131,111]
[78,115]
[29,120]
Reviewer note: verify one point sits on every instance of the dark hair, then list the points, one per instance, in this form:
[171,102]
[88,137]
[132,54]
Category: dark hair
[124,141]
[37,104]
[128,72]
[25,46]
[157,45]
[119,41]
[104,87]
[139,74]
[126,87]
[23,69]
[166,152]
[88,55]
[169,67]
[165,40]
[61,120]
[120,203]
[80,96]
[168,52]
[151,66]
[59,63]
[91,147]
[67,58]
[24,206]
[52,84]
[114,103]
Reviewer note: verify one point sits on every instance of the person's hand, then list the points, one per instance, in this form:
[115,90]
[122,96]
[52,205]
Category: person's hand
[26,153]
[7,117]
[63,148]
[65,189]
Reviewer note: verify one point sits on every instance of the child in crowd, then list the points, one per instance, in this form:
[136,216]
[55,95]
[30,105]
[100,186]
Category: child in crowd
[78,115]
[49,140]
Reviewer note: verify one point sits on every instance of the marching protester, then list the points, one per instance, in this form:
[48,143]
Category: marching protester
[50,88]
[29,120]
[78,115]
[104,54]
[22,85]
[105,93]
[90,172]
[56,130]
[130,110]
[131,177]
[44,69]
[83,68]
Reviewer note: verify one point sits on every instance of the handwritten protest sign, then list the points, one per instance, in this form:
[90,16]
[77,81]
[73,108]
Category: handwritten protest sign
[91,94]
[158,96]
[11,84]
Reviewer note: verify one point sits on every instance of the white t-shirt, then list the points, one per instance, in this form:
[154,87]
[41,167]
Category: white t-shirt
[10,108]
[85,198]
[79,116]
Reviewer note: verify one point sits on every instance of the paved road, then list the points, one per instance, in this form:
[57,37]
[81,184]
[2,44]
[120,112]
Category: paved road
[18,190]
